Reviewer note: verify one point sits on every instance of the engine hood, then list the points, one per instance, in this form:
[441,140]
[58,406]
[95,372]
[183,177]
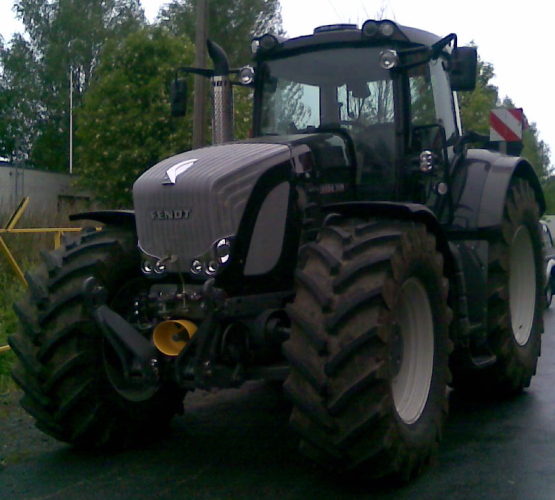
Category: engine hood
[186,202]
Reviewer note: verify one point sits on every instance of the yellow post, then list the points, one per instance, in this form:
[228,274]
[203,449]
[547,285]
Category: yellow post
[12,262]
[8,227]
[17,213]
[4,348]
[57,239]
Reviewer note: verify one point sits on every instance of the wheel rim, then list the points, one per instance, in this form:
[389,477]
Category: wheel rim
[412,352]
[522,285]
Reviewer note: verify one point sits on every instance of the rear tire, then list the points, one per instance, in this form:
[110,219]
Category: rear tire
[71,387]
[369,348]
[515,289]
[516,300]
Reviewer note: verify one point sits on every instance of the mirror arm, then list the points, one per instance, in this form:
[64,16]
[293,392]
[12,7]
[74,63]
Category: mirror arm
[441,44]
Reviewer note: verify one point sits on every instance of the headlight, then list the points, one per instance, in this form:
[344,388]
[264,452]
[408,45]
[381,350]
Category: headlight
[381,30]
[147,267]
[160,267]
[214,260]
[196,267]
[389,59]
[152,266]
[266,43]
[212,268]
[246,75]
[387,28]
[223,250]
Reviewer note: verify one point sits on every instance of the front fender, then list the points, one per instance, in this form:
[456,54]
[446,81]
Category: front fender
[120,218]
[405,211]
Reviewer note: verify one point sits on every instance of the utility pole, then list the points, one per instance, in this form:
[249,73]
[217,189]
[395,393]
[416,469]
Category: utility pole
[199,107]
[71,119]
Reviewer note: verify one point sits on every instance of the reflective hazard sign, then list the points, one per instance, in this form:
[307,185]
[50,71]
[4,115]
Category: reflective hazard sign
[506,124]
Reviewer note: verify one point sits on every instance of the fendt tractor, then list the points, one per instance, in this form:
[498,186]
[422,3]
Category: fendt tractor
[356,248]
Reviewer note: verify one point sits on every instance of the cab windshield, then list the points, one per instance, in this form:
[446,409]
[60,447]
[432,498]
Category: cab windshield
[346,89]
[343,87]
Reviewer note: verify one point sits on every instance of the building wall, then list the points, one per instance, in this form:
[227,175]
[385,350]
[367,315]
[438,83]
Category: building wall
[47,191]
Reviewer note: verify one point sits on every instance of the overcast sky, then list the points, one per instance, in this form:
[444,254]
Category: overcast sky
[513,36]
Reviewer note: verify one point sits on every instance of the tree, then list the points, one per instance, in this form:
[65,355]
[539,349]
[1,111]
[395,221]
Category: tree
[476,105]
[475,110]
[231,23]
[62,37]
[20,97]
[549,193]
[125,125]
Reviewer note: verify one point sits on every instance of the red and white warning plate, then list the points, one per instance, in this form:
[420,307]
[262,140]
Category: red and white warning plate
[506,124]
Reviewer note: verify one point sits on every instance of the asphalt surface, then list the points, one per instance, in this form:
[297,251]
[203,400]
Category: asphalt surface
[236,444]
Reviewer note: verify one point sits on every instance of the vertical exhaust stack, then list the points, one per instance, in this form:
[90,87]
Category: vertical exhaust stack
[222,95]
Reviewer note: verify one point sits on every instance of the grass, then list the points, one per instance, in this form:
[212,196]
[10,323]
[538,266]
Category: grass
[25,248]
[12,290]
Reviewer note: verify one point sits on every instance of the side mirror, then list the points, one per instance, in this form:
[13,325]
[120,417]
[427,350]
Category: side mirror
[463,68]
[178,97]
[424,137]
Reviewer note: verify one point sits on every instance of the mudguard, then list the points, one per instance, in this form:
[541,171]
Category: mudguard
[413,211]
[480,186]
[121,218]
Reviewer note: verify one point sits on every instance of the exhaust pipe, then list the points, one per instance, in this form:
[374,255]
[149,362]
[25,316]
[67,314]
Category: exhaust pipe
[171,336]
[222,95]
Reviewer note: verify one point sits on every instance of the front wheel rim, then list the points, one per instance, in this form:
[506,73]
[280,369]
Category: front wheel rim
[411,384]
[522,286]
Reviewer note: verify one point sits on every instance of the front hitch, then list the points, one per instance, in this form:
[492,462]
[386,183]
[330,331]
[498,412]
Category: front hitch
[137,355]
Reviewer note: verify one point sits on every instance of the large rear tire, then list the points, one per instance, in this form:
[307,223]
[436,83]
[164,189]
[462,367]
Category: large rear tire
[68,373]
[369,348]
[516,293]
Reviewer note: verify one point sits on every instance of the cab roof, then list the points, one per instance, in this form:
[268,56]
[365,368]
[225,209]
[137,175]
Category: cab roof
[371,33]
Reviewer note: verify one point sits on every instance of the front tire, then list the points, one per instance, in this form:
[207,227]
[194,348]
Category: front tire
[66,370]
[369,348]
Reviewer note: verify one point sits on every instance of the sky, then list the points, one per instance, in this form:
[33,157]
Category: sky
[514,37]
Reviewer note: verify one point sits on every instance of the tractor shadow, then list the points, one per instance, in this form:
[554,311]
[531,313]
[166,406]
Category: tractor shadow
[237,444]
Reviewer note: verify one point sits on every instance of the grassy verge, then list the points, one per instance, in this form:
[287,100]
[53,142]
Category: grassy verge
[12,290]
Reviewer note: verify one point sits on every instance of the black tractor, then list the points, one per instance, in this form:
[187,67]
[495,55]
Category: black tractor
[356,248]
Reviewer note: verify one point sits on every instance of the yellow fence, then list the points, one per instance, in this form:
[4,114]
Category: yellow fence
[9,228]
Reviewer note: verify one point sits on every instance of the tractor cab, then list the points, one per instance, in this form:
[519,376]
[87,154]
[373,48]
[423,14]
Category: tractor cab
[388,91]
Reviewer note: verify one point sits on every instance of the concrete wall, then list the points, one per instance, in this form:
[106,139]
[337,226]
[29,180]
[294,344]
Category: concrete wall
[47,191]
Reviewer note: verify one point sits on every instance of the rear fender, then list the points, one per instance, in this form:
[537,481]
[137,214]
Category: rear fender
[480,186]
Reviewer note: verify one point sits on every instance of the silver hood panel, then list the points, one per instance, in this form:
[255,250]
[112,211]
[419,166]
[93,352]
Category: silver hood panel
[205,201]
